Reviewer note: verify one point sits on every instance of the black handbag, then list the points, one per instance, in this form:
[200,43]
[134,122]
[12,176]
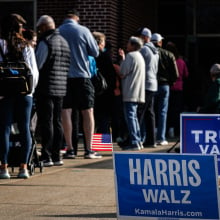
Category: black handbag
[15,77]
[99,83]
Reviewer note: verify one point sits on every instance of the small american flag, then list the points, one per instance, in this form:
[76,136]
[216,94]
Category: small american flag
[102,142]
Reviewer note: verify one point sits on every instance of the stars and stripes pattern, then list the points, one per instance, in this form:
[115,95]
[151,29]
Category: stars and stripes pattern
[102,142]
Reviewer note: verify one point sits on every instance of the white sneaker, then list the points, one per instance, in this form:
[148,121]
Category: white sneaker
[92,155]
[48,163]
[4,174]
[23,173]
[58,163]
[163,143]
[141,146]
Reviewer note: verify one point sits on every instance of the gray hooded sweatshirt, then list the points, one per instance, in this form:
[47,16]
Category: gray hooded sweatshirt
[151,57]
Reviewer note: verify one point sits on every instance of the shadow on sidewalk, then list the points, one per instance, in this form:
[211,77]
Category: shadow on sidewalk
[103,164]
[99,216]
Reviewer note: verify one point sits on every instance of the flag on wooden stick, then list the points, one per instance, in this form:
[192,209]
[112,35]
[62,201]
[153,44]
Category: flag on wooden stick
[102,142]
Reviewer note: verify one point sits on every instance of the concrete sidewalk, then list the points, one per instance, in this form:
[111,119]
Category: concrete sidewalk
[80,189]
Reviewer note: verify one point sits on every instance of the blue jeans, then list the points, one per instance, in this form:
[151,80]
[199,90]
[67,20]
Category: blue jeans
[161,104]
[130,113]
[15,109]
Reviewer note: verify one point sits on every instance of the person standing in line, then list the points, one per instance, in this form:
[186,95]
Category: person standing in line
[71,118]
[80,91]
[166,76]
[176,100]
[104,102]
[53,59]
[146,111]
[132,72]
[16,48]
[71,149]
[211,104]
[119,128]
[31,37]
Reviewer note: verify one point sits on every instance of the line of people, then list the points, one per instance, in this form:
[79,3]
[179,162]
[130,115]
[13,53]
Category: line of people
[65,97]
[161,72]
[62,82]
[147,122]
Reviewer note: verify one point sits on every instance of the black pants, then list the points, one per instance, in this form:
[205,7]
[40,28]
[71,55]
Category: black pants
[176,107]
[51,130]
[147,119]
[77,127]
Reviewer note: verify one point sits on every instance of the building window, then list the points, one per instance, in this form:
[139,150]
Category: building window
[172,17]
[208,17]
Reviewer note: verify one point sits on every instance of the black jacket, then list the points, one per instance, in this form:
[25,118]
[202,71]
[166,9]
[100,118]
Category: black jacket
[53,74]
[105,65]
[167,68]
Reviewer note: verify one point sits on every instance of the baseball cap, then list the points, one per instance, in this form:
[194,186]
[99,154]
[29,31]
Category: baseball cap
[146,32]
[156,37]
[72,11]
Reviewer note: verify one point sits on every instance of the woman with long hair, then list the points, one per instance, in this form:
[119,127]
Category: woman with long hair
[16,48]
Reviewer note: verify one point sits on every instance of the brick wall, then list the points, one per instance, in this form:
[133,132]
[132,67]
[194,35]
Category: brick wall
[117,19]
[100,15]
[54,8]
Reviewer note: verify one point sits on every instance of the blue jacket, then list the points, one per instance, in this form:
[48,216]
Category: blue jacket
[82,44]
[92,66]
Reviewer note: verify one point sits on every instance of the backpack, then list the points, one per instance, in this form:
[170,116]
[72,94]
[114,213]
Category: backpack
[15,77]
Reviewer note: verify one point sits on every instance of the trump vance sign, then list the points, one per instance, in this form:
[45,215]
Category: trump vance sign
[200,133]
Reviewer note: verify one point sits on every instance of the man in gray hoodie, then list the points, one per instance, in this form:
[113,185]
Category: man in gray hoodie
[147,114]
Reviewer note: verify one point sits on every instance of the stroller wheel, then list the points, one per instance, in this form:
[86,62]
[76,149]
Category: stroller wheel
[32,169]
[41,165]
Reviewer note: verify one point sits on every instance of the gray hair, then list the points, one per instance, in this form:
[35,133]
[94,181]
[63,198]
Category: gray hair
[136,41]
[215,68]
[45,19]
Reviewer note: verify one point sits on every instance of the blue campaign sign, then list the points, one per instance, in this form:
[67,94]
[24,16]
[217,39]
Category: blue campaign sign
[200,133]
[166,186]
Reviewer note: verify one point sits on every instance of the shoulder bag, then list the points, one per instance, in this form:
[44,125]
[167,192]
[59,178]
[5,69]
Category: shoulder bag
[99,83]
